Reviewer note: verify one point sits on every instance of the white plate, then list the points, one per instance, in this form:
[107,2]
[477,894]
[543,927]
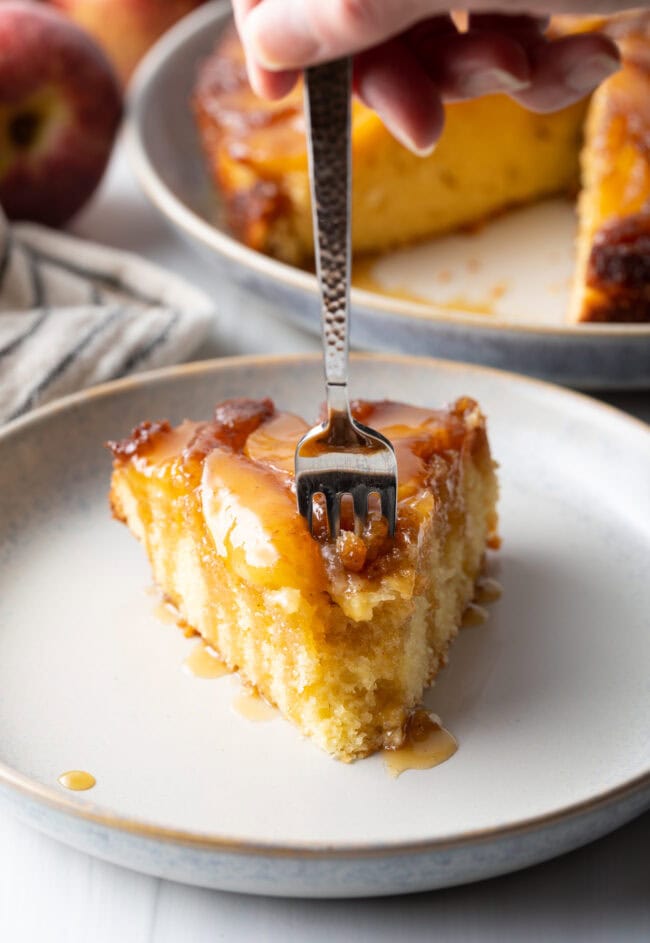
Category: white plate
[515,272]
[550,700]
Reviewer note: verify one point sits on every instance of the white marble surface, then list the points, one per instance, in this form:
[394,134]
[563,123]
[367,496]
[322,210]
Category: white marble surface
[53,894]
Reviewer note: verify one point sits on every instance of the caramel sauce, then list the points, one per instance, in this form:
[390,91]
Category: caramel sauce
[363,277]
[165,612]
[487,590]
[240,465]
[251,514]
[426,744]
[153,443]
[77,780]
[169,444]
[253,707]
[204,662]
[274,443]
[474,615]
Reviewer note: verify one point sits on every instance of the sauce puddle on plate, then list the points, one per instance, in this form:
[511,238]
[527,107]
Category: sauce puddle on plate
[427,744]
[487,590]
[251,706]
[77,780]
[166,611]
[474,615]
[203,662]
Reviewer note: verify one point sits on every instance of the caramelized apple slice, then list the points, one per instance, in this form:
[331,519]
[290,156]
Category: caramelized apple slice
[274,442]
[252,517]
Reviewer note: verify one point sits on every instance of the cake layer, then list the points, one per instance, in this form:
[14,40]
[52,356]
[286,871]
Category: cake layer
[341,636]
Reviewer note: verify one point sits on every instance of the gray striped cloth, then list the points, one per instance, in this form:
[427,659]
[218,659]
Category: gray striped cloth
[73,314]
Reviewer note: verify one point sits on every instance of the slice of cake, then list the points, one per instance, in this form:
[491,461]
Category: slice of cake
[341,636]
[494,154]
[612,277]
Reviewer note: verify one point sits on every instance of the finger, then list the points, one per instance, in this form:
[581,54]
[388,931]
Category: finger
[264,83]
[467,65]
[567,69]
[272,85]
[519,26]
[390,80]
[291,34]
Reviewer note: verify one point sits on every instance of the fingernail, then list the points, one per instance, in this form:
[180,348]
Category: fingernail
[280,42]
[420,150]
[488,82]
[585,76]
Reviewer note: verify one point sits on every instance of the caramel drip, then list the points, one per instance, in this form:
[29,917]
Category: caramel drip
[77,780]
[164,612]
[474,615]
[204,662]
[487,590]
[426,744]
[251,706]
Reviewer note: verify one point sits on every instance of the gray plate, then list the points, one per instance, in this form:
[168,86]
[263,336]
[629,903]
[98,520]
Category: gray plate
[166,154]
[549,700]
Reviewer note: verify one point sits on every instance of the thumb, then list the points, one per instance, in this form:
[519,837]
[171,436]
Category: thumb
[291,34]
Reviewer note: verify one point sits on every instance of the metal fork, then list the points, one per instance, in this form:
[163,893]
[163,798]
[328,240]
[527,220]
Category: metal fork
[340,456]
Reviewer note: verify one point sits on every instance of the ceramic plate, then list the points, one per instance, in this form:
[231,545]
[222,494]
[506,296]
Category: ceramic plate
[549,700]
[497,297]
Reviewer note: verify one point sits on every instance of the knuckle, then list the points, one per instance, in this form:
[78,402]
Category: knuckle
[358,17]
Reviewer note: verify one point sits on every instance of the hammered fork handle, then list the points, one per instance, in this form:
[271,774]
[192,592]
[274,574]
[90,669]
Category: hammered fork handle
[327,115]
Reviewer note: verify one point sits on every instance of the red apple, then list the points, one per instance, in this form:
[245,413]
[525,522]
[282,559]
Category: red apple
[126,28]
[60,108]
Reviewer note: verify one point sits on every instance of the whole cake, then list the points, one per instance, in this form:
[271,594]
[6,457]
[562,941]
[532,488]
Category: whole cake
[342,636]
[493,155]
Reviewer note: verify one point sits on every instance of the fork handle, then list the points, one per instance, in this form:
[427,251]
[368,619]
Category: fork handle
[327,115]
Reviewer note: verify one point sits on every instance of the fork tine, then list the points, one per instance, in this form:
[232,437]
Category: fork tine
[305,501]
[332,502]
[389,507]
[360,499]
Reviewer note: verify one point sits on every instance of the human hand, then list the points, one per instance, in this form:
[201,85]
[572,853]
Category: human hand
[410,56]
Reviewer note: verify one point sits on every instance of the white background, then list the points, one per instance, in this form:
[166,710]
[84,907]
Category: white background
[53,894]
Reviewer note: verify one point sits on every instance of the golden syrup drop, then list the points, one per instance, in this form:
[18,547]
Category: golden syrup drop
[427,744]
[203,662]
[165,612]
[474,615]
[77,779]
[251,706]
[487,590]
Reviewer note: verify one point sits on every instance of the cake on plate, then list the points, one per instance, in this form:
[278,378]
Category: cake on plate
[493,155]
[342,636]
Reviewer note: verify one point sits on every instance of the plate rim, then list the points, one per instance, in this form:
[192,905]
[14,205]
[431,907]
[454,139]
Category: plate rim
[193,225]
[42,794]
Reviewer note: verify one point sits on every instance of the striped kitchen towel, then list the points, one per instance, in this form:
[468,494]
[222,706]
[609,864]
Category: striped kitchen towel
[73,314]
